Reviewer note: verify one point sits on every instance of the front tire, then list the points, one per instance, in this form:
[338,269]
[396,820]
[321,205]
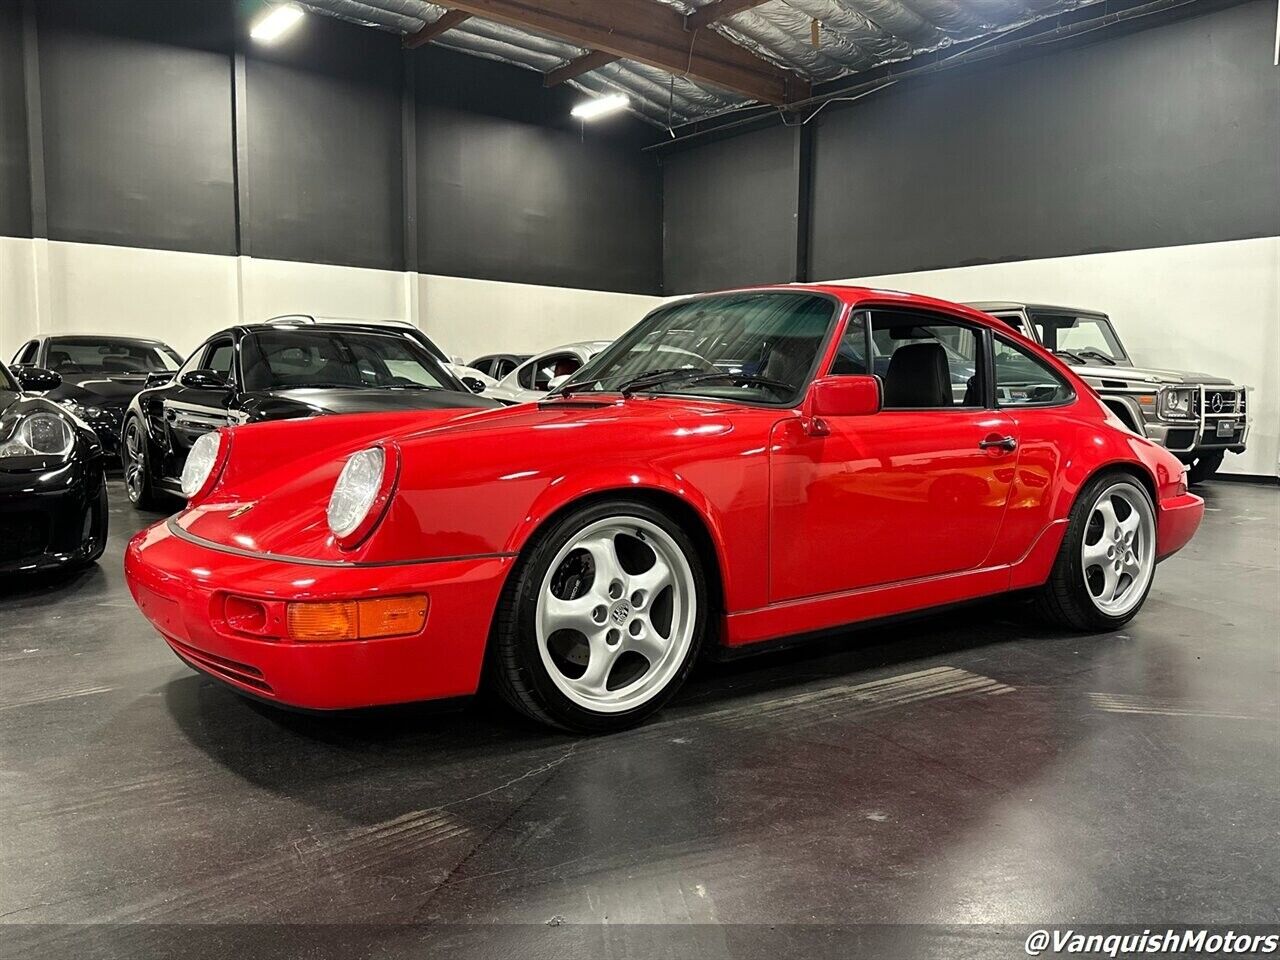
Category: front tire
[1107,560]
[1204,466]
[602,620]
[135,456]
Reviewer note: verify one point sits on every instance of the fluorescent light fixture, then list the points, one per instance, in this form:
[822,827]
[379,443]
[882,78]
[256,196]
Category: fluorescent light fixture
[276,24]
[591,109]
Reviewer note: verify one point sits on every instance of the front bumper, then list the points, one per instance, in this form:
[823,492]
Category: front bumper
[181,587]
[49,518]
[1192,436]
[1177,521]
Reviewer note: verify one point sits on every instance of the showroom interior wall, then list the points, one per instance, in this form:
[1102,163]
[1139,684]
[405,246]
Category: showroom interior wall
[1108,175]
[184,179]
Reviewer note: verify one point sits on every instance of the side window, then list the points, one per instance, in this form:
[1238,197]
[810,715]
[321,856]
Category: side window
[926,361]
[1023,379]
[501,368]
[28,353]
[542,371]
[851,354]
[218,357]
[1014,320]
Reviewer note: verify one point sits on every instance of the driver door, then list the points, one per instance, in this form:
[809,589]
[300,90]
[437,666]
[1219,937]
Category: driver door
[192,411]
[917,490]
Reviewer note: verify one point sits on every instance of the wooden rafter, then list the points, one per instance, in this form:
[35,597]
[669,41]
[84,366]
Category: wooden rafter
[576,68]
[646,32]
[449,20]
[718,10]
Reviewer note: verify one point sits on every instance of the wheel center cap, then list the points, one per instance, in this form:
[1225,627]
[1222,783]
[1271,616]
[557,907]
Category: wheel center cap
[621,612]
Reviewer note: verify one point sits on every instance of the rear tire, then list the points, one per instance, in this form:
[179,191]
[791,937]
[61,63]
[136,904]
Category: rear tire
[135,456]
[1204,466]
[602,619]
[1106,563]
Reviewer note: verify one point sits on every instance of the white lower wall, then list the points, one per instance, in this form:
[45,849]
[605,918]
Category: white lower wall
[1212,308]
[1208,307]
[180,298]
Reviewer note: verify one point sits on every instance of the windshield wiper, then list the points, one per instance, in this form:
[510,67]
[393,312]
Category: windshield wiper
[1099,354]
[1069,355]
[644,381]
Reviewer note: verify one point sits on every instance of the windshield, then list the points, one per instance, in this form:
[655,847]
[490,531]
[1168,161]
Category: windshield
[742,346]
[72,355]
[288,359]
[1086,337]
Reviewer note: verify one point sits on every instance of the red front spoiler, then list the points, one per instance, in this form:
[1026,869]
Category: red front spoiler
[180,587]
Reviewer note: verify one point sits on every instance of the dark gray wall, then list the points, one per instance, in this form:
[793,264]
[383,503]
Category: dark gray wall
[729,211]
[142,133]
[509,190]
[136,106]
[324,172]
[1167,135]
[15,198]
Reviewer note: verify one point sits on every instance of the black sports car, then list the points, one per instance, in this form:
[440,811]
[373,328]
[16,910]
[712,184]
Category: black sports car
[95,376]
[278,371]
[53,495]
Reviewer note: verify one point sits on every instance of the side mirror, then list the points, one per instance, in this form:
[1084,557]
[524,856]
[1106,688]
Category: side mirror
[853,396]
[157,379]
[37,379]
[472,384]
[204,380]
[557,381]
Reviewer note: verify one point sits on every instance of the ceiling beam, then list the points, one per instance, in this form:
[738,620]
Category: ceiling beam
[717,10]
[447,21]
[649,33]
[577,67]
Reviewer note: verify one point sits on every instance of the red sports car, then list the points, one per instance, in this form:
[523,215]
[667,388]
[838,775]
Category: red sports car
[739,467]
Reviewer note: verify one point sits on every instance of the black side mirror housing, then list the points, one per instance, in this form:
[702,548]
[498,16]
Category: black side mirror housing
[472,384]
[37,379]
[205,380]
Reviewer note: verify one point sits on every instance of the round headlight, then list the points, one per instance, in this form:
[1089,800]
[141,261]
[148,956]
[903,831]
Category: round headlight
[40,435]
[200,463]
[356,491]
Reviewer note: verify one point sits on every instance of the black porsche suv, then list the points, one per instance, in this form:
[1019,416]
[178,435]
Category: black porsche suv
[278,371]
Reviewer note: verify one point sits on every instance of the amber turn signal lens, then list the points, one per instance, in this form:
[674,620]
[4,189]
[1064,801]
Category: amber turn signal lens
[322,621]
[357,620]
[392,617]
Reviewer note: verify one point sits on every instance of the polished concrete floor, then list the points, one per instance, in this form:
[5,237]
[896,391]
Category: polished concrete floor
[971,768]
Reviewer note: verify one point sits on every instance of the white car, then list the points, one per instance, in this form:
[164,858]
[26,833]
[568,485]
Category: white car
[533,378]
[473,379]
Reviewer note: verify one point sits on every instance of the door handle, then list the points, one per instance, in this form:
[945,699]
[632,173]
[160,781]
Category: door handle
[999,443]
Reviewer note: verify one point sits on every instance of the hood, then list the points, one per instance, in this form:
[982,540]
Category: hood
[1142,375]
[284,404]
[466,480]
[101,390]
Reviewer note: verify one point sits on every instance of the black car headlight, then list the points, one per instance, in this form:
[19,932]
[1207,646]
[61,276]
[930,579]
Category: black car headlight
[1177,403]
[39,435]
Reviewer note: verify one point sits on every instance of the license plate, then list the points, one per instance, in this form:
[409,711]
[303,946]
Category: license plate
[1226,428]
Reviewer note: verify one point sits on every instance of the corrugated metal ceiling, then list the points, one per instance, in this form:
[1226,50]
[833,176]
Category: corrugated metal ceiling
[852,36]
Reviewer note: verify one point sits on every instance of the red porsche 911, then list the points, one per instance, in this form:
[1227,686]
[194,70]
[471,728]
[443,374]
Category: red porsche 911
[739,467]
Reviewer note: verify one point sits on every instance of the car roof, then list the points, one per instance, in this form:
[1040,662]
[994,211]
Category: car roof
[105,337]
[365,325]
[576,345]
[986,306]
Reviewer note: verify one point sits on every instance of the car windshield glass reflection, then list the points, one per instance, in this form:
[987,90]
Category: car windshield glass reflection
[1089,337]
[753,346]
[297,359]
[69,356]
